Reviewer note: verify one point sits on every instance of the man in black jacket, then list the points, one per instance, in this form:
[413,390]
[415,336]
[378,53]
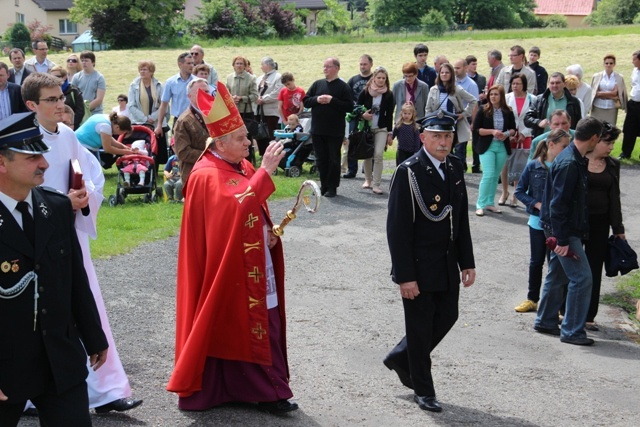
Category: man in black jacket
[330,99]
[19,72]
[49,315]
[431,251]
[555,97]
[10,97]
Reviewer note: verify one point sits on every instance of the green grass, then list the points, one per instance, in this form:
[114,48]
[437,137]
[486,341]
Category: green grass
[628,292]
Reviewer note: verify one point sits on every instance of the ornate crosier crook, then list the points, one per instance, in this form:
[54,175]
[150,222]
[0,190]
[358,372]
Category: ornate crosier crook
[308,189]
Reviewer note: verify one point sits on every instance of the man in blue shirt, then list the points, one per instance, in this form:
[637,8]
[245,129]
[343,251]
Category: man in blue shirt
[175,90]
[462,79]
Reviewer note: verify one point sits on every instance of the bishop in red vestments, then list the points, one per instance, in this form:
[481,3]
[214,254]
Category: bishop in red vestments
[230,311]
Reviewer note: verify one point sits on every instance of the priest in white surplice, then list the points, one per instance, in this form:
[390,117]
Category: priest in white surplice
[109,388]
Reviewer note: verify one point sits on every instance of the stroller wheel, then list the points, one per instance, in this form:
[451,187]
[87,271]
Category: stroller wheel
[146,198]
[159,192]
[275,172]
[113,201]
[154,198]
[294,171]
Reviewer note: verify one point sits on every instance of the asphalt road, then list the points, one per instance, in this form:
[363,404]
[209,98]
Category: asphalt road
[344,314]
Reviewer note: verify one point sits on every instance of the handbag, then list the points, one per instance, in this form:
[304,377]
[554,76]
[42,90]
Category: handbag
[361,144]
[262,131]
[617,103]
[517,162]
[620,257]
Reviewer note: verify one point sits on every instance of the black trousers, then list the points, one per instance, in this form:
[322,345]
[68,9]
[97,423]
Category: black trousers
[327,149]
[428,319]
[69,408]
[596,250]
[631,128]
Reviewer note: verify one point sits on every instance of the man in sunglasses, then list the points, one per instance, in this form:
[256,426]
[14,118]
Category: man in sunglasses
[198,58]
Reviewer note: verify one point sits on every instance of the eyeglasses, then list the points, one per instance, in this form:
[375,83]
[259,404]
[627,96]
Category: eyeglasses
[75,61]
[195,53]
[53,99]
[42,48]
[408,76]
[122,100]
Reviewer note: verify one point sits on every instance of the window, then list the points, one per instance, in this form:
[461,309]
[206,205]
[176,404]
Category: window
[17,3]
[68,27]
[20,17]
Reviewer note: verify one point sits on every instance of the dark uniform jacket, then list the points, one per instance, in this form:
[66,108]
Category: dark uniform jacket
[66,311]
[421,249]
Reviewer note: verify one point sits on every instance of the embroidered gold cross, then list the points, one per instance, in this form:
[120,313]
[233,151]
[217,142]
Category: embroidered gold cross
[244,194]
[255,275]
[249,246]
[258,331]
[233,182]
[254,302]
[251,220]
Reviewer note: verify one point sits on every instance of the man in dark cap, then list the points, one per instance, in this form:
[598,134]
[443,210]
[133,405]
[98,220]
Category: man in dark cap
[46,304]
[431,252]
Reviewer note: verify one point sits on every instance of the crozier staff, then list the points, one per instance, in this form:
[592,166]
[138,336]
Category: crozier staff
[431,252]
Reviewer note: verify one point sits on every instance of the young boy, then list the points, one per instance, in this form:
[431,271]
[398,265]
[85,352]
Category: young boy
[541,73]
[173,184]
[290,97]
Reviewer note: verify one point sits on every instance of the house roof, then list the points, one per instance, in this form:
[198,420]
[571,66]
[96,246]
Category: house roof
[54,5]
[564,7]
[306,4]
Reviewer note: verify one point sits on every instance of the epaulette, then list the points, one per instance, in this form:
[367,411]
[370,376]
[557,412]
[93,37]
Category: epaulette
[52,190]
[411,161]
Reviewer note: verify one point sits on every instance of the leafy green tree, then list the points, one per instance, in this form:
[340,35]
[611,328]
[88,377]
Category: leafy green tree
[434,23]
[615,12]
[18,36]
[153,17]
[336,18]
[116,28]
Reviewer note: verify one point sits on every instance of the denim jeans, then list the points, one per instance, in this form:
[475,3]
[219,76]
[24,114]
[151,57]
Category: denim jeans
[492,162]
[539,252]
[578,273]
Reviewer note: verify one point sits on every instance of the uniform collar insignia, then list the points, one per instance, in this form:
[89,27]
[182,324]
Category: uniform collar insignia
[44,209]
[1,220]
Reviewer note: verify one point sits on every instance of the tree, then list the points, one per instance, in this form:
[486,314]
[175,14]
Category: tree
[615,12]
[434,23]
[115,27]
[152,18]
[335,19]
[18,36]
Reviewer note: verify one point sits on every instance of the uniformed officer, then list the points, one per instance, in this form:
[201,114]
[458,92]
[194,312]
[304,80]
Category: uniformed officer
[431,251]
[46,304]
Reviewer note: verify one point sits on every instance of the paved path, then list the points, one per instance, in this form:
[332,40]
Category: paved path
[344,314]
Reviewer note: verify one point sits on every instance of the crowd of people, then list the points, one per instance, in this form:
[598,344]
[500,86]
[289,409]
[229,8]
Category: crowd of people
[570,187]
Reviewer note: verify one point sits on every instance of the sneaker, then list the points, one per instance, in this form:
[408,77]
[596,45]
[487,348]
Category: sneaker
[527,306]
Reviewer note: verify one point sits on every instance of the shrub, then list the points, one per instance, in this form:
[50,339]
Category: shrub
[18,36]
[115,27]
[434,23]
[556,21]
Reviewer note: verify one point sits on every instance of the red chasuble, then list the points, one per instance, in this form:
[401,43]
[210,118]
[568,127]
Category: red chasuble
[221,307]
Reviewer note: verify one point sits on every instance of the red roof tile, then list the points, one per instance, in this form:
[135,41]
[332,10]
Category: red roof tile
[564,7]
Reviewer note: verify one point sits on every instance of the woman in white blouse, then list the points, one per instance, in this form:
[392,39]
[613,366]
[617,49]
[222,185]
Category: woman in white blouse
[609,92]
[269,86]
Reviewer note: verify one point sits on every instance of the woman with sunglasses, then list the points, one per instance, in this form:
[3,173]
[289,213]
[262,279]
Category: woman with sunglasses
[73,65]
[609,92]
[73,96]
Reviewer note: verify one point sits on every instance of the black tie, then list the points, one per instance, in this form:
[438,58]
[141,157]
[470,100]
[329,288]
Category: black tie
[28,225]
[443,168]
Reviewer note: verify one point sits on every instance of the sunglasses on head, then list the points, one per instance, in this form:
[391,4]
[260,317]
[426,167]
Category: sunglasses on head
[72,60]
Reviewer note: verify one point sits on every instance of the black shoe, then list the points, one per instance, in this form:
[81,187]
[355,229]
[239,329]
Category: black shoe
[622,156]
[578,341]
[119,405]
[349,175]
[427,403]
[475,169]
[554,332]
[30,412]
[404,376]
[278,407]
[330,193]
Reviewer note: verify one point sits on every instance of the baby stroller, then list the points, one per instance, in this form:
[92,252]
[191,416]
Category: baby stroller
[298,148]
[147,188]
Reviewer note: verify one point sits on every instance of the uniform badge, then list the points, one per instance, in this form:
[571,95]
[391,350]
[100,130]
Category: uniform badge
[433,207]
[1,220]
[437,198]
[5,267]
[14,266]
[44,209]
